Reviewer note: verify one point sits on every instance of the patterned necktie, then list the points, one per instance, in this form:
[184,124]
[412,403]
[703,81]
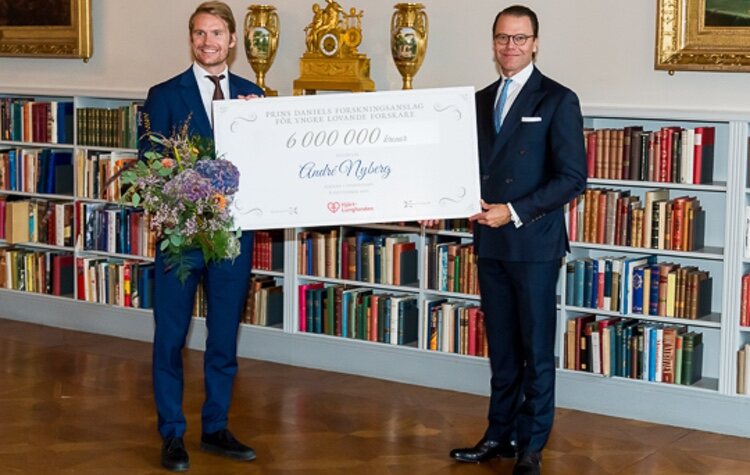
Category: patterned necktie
[500,105]
[218,93]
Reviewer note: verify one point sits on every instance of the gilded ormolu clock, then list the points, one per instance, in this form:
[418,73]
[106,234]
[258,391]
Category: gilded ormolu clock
[332,62]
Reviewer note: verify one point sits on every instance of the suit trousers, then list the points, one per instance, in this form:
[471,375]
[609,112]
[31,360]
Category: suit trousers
[519,301]
[225,284]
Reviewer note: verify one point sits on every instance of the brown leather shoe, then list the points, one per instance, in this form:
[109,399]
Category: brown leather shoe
[484,450]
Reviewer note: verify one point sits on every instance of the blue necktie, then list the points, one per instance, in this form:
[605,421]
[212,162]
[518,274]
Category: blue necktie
[501,105]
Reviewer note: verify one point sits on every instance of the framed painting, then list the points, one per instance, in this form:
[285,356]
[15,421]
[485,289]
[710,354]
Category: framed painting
[703,35]
[45,28]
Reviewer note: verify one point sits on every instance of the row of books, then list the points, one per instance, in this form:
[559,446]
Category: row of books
[671,154]
[743,369]
[44,272]
[747,232]
[462,225]
[97,173]
[454,327]
[268,250]
[264,305]
[451,266]
[633,349]
[110,228]
[364,256]
[39,170]
[614,217]
[118,282]
[638,285]
[108,127]
[28,120]
[36,221]
[358,313]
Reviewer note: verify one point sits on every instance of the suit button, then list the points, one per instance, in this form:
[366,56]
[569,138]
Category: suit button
[485,177]
[522,152]
[509,180]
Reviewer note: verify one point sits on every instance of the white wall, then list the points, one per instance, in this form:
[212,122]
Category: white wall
[603,49]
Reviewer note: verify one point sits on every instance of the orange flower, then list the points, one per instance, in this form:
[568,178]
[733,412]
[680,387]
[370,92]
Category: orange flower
[167,162]
[220,200]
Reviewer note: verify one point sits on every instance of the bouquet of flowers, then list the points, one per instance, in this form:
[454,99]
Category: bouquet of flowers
[186,191]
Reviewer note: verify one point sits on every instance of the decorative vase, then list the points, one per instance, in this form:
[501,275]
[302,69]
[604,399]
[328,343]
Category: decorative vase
[261,41]
[408,39]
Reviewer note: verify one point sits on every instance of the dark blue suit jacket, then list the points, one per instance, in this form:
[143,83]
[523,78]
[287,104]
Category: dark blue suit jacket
[170,103]
[537,163]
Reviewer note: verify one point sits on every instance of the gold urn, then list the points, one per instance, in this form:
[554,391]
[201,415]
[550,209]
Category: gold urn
[408,39]
[261,41]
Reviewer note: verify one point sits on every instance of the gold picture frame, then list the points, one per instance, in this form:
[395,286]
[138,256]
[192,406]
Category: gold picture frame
[702,35]
[45,28]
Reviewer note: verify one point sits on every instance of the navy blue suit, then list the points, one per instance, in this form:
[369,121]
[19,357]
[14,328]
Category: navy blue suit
[167,107]
[536,163]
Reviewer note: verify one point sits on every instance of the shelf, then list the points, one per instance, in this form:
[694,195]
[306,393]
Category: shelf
[745,329]
[412,230]
[712,320]
[97,200]
[704,384]
[451,295]
[40,294]
[442,232]
[712,253]
[365,342]
[39,245]
[10,143]
[276,328]
[386,227]
[357,283]
[272,273]
[88,252]
[38,195]
[98,148]
[719,187]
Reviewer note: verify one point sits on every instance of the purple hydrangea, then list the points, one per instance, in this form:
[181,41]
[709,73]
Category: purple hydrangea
[189,185]
[224,176]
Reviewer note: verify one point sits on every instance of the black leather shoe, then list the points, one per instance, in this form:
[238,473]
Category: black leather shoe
[485,450]
[222,442]
[174,457]
[528,463]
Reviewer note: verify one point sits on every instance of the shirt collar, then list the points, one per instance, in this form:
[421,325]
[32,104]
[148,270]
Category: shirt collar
[520,78]
[200,73]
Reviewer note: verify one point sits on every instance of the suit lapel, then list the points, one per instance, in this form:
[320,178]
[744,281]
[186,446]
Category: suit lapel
[192,97]
[525,103]
[485,121]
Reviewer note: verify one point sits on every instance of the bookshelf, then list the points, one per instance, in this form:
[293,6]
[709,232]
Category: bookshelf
[724,200]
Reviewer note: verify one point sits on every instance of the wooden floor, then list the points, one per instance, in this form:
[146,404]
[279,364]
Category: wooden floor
[79,403]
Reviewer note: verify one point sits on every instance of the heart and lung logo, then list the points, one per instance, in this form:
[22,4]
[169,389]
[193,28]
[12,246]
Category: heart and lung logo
[334,206]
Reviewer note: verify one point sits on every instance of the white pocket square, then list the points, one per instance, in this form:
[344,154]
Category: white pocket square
[531,119]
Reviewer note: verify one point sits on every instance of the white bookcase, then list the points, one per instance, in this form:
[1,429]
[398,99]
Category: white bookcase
[711,405]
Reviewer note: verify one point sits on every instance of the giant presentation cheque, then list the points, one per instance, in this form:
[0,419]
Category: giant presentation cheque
[351,158]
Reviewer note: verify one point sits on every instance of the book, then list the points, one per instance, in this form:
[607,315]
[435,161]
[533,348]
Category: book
[692,358]
[703,154]
[63,276]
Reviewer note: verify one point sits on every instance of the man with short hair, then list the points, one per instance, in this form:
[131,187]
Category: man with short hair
[168,106]
[532,162]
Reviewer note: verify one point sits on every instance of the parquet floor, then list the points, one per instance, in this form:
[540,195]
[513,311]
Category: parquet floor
[73,402]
